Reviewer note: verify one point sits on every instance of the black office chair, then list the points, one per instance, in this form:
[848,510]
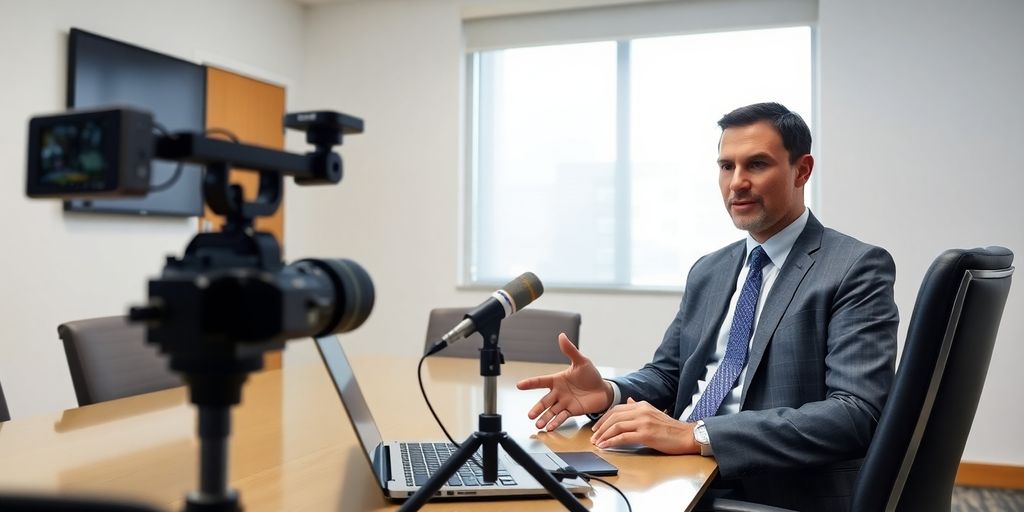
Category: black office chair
[914,455]
[109,358]
[529,335]
[4,413]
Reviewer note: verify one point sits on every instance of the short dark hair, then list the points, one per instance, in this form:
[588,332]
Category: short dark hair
[796,137]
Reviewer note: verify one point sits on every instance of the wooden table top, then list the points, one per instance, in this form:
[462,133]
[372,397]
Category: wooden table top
[293,448]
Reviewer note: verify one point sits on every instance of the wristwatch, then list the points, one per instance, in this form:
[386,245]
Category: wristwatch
[700,434]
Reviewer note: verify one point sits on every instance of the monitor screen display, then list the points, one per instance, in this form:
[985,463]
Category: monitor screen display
[104,72]
[74,156]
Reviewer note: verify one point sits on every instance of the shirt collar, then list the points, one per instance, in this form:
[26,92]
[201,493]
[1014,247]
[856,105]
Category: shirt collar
[778,246]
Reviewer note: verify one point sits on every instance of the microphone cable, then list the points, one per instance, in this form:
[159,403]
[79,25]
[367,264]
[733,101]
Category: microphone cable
[159,128]
[423,391]
[162,130]
[570,472]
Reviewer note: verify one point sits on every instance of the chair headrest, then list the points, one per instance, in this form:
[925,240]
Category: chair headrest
[979,258]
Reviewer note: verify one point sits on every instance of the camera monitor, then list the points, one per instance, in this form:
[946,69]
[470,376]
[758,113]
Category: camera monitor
[102,72]
[100,153]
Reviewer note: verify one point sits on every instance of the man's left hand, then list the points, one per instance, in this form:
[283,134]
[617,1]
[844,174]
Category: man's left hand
[641,423]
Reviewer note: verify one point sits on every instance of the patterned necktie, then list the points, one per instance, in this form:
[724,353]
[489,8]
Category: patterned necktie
[739,337]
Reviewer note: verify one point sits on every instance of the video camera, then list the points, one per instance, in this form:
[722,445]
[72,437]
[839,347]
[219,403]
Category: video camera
[230,297]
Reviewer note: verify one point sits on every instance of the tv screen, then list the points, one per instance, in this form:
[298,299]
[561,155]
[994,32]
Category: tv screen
[105,72]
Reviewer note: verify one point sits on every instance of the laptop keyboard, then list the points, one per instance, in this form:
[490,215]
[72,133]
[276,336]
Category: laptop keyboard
[420,460]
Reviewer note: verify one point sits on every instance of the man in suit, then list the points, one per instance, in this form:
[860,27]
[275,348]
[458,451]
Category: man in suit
[780,358]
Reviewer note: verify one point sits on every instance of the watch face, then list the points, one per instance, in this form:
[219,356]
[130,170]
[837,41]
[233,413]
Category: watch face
[701,434]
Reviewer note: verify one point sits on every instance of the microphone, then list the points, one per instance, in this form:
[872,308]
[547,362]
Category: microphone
[503,303]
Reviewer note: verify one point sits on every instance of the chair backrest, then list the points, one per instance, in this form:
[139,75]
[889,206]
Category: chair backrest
[529,335]
[4,413]
[915,452]
[109,358]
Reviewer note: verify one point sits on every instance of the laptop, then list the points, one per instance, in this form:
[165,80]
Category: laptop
[402,467]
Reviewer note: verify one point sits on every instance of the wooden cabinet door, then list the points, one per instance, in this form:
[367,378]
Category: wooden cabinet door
[253,110]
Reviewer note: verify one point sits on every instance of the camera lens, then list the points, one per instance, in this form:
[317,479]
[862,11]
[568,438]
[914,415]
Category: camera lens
[353,292]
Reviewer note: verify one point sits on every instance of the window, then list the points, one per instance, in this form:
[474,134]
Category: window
[593,164]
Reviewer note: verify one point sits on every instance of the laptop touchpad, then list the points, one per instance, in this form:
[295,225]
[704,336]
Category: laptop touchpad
[546,461]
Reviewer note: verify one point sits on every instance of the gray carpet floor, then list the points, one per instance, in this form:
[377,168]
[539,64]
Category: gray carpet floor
[980,499]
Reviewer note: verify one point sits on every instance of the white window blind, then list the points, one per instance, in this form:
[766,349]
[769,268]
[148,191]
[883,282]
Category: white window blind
[632,20]
[593,164]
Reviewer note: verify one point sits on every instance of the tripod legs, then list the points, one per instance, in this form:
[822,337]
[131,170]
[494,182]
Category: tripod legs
[489,434]
[490,441]
[446,471]
[526,461]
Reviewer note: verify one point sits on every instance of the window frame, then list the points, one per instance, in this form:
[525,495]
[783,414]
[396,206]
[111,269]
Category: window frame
[468,235]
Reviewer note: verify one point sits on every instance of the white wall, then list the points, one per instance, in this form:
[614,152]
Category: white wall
[56,267]
[920,113]
[398,65]
[921,116]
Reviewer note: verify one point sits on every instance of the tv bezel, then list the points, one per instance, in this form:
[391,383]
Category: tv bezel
[86,205]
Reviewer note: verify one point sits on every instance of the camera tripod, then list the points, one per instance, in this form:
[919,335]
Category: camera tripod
[216,310]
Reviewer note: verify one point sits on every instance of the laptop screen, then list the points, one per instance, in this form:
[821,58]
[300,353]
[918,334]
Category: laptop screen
[351,397]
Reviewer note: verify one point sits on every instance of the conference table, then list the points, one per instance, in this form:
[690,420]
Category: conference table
[293,448]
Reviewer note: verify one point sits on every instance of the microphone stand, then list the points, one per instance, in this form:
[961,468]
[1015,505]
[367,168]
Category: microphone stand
[489,435]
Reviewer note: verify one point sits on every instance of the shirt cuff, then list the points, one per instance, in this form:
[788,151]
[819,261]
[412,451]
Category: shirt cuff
[616,393]
[616,400]
[706,450]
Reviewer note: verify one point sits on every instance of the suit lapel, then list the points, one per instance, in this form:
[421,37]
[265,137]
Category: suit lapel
[718,291]
[779,298]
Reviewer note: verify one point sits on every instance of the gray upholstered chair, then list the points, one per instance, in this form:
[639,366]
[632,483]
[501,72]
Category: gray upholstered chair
[4,413]
[529,335]
[109,358]
[916,449]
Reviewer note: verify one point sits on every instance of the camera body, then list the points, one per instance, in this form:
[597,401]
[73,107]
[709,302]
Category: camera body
[91,153]
[220,301]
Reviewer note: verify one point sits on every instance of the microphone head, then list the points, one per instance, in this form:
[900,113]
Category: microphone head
[523,290]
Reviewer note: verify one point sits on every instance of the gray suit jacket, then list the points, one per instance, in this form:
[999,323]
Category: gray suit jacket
[818,373]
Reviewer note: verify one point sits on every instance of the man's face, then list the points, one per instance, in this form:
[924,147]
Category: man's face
[763,192]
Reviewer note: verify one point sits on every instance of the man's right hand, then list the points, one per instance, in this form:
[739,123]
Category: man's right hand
[576,390]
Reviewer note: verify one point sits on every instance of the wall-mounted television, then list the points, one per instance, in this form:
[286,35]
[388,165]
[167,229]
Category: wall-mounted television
[104,72]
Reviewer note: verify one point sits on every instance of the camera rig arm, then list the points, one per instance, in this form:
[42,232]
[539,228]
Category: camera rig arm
[323,129]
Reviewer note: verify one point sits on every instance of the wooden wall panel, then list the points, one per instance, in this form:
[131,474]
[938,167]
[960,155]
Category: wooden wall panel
[990,475]
[253,111]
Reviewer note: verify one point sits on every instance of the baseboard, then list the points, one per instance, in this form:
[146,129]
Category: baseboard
[975,474]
